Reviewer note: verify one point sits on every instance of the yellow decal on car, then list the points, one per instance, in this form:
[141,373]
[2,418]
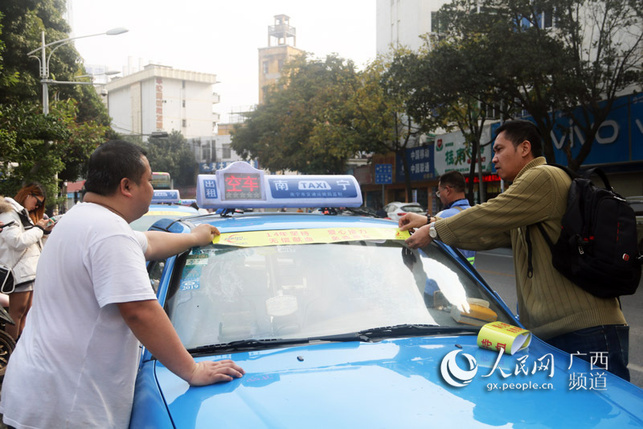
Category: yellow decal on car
[308,236]
[167,213]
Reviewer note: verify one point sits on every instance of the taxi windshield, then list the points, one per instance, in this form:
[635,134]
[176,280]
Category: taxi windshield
[226,293]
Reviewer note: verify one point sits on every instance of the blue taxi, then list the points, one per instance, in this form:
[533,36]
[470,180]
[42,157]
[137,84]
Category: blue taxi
[166,204]
[337,323]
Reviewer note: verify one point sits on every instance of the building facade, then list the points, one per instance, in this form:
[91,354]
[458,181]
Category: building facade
[618,148]
[160,98]
[282,40]
[402,22]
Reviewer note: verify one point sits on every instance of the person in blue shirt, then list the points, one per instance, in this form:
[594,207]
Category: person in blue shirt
[450,191]
[451,188]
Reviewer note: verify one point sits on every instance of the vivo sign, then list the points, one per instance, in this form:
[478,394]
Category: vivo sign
[619,138]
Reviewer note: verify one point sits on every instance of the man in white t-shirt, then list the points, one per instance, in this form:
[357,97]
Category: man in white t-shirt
[93,303]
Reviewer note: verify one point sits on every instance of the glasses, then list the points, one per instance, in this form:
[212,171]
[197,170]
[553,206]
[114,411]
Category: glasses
[437,193]
[39,202]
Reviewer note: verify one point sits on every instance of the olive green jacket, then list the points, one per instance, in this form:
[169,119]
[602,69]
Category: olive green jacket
[548,303]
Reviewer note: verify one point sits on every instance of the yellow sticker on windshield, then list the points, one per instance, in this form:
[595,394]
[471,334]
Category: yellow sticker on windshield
[308,236]
[166,213]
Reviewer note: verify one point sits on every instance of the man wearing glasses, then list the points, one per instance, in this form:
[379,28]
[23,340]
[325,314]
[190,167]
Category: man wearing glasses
[450,191]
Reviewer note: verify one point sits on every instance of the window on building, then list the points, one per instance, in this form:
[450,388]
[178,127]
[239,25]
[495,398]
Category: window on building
[184,123]
[265,67]
[182,84]
[280,64]
[547,18]
[226,151]
[183,103]
[492,111]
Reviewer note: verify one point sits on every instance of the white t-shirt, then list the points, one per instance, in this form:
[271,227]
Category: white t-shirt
[76,362]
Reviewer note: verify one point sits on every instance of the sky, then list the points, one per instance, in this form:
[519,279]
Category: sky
[219,36]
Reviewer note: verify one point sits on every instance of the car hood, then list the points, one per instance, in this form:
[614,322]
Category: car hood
[398,384]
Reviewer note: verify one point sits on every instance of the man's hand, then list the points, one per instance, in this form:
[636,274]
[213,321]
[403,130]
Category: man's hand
[209,372]
[420,238]
[411,221]
[161,245]
[204,234]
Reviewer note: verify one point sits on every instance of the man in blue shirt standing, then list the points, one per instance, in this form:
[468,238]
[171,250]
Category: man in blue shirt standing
[451,193]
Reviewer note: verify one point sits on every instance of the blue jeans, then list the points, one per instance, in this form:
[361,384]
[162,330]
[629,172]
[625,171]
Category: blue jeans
[613,339]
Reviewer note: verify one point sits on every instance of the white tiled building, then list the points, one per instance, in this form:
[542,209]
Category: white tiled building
[160,98]
[402,22]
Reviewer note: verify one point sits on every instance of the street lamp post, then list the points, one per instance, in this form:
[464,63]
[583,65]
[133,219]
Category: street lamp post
[44,59]
[44,62]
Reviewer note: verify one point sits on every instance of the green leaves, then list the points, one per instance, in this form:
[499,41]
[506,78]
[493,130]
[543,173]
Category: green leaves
[173,155]
[34,147]
[308,121]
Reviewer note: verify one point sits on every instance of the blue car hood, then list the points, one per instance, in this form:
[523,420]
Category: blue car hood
[399,384]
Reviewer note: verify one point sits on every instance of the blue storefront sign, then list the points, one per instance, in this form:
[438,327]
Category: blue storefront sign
[420,163]
[619,138]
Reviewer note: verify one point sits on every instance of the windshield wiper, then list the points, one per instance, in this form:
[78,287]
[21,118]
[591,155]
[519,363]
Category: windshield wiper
[250,344]
[404,330]
[367,335]
[255,344]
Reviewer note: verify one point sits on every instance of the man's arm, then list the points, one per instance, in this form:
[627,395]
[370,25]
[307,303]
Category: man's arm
[412,220]
[151,326]
[419,238]
[161,245]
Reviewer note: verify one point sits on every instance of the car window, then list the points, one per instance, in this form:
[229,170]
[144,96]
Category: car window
[155,270]
[637,206]
[226,293]
[144,223]
[412,208]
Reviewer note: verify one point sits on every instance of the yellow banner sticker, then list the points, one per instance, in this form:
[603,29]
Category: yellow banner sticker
[308,236]
[498,335]
[166,213]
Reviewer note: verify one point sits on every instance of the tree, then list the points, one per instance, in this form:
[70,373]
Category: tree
[555,55]
[41,148]
[172,154]
[440,91]
[303,124]
[394,122]
[604,40]
[34,146]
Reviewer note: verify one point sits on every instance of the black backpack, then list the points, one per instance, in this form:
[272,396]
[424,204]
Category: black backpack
[598,246]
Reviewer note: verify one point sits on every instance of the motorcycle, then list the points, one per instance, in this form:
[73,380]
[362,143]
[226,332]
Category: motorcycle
[7,343]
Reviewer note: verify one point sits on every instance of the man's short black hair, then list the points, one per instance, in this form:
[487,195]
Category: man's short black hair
[519,130]
[454,179]
[110,163]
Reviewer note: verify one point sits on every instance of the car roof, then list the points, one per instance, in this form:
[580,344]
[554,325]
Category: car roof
[170,209]
[257,221]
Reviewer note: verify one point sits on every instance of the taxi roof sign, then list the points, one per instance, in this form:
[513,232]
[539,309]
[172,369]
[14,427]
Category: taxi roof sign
[242,186]
[166,196]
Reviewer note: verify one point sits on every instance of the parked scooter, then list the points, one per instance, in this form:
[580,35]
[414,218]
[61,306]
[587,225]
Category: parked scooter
[7,343]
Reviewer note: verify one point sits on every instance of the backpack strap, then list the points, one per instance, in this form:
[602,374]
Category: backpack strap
[545,235]
[600,173]
[530,265]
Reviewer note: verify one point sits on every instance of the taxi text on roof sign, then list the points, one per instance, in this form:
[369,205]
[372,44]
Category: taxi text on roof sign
[167,196]
[243,186]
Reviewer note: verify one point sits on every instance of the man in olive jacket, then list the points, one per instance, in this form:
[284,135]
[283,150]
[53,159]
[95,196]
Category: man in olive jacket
[550,305]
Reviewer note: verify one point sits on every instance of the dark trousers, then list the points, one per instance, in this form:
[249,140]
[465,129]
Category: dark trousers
[613,339]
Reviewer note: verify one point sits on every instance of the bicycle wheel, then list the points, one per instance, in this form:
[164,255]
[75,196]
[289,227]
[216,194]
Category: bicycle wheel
[7,344]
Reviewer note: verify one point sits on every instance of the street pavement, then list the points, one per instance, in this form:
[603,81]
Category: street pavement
[496,266]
